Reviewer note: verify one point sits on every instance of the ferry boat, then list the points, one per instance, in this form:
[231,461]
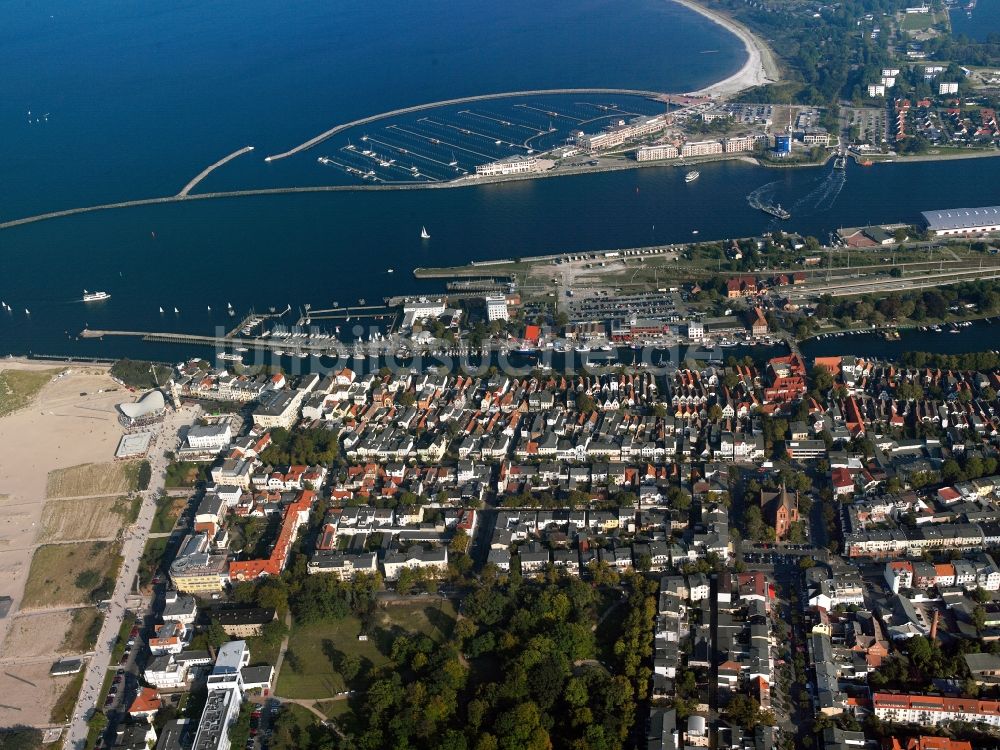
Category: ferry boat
[692,176]
[840,162]
[231,357]
[95,296]
[777,211]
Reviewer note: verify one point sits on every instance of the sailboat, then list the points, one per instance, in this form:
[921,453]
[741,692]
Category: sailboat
[176,311]
[424,235]
[210,308]
[161,311]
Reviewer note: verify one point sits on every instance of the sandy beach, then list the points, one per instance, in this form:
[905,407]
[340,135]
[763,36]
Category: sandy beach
[58,429]
[760,67]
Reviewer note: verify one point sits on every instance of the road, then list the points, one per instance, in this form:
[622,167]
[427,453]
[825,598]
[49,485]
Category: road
[132,547]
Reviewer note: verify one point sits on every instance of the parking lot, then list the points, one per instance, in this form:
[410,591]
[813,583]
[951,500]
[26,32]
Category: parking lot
[870,122]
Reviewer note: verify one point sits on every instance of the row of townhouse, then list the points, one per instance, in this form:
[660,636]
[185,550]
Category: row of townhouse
[977,571]
[367,519]
[914,541]
[346,564]
[967,401]
[934,710]
[386,481]
[193,380]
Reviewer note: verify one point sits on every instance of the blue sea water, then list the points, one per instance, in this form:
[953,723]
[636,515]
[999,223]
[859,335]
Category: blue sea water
[141,97]
[980,23]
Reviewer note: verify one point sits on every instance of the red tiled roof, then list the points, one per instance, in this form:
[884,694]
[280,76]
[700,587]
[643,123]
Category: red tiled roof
[146,701]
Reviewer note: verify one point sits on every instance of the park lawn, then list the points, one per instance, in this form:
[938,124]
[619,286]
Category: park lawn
[55,568]
[93,479]
[433,616]
[83,631]
[168,510]
[292,727]
[334,709]
[86,518]
[310,673]
[19,387]
[263,650]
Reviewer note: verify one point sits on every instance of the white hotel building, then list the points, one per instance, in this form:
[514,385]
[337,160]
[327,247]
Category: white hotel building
[620,133]
[508,165]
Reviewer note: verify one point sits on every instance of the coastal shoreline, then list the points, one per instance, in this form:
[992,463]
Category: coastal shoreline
[760,67]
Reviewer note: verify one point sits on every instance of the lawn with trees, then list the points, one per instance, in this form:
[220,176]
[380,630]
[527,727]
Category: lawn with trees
[519,672]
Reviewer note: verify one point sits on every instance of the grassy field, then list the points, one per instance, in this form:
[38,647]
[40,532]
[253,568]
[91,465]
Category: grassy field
[293,727]
[83,631]
[92,479]
[334,709]
[62,709]
[86,518]
[152,561]
[308,670]
[185,474]
[18,387]
[916,21]
[168,510]
[69,573]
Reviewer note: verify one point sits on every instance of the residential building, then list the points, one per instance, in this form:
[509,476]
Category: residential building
[656,152]
[934,710]
[433,561]
[343,564]
[701,148]
[243,622]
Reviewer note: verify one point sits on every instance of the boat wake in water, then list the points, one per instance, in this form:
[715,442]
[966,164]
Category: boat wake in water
[824,195]
[764,194]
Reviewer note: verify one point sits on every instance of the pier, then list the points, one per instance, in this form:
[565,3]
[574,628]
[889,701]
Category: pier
[315,140]
[371,312]
[211,168]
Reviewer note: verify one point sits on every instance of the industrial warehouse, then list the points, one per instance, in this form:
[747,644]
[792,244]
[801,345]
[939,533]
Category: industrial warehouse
[954,221]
